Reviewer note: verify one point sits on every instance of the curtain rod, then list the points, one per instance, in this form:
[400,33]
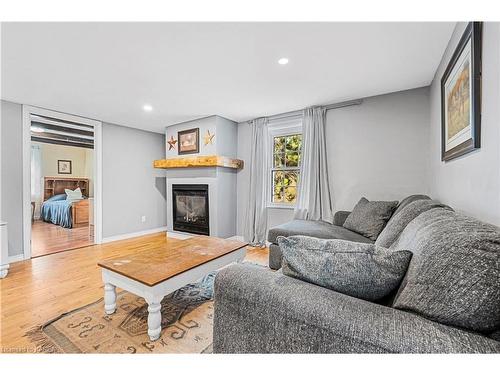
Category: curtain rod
[328,107]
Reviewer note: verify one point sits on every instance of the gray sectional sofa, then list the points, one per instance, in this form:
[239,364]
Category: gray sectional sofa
[320,229]
[448,302]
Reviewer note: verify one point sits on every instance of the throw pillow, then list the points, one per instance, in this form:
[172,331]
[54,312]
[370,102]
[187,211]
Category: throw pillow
[360,270]
[73,195]
[369,218]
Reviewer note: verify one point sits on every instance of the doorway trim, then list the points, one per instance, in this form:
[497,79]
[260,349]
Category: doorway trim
[97,125]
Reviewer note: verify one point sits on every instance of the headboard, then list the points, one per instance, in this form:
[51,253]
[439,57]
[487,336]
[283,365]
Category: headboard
[56,185]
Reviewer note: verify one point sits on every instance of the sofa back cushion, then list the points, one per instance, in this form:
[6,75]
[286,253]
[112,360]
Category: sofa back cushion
[360,270]
[403,217]
[454,275]
[409,199]
[369,218]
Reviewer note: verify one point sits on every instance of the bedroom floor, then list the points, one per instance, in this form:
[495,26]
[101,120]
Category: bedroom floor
[49,238]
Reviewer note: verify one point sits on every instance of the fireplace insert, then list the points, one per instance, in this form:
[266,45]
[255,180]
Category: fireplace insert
[190,208]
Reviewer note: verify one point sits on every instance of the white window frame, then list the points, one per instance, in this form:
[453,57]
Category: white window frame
[280,128]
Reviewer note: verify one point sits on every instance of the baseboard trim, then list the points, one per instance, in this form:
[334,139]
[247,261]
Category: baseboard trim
[16,258]
[241,239]
[126,236]
[236,238]
[179,235]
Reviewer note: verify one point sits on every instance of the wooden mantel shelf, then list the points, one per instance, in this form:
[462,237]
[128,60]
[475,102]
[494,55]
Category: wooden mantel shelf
[199,162]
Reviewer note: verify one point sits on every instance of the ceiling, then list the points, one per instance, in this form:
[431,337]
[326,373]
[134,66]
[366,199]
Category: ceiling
[108,71]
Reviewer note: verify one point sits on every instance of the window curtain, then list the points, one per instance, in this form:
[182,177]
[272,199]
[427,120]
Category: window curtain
[313,194]
[36,178]
[255,224]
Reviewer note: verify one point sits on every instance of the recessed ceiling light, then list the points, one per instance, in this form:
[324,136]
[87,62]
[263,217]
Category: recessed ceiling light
[283,61]
[37,129]
[147,107]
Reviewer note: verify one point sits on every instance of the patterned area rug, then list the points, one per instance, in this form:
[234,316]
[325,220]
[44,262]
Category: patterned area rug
[187,322]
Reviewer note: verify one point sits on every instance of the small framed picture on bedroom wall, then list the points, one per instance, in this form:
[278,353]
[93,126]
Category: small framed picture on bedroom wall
[64,166]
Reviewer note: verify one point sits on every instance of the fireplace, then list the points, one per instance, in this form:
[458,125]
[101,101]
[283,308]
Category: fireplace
[190,208]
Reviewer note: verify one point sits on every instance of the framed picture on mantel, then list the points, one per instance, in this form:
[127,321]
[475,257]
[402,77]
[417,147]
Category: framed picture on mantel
[189,141]
[461,96]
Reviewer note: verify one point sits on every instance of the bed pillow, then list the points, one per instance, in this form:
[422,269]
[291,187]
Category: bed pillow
[359,270]
[73,195]
[58,197]
[369,218]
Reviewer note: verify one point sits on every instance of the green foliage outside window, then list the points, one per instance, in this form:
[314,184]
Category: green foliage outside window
[286,161]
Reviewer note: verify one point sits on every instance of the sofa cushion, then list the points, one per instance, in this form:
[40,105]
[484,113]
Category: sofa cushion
[274,257]
[340,217]
[409,199]
[319,229]
[369,218]
[401,219]
[454,275]
[360,270]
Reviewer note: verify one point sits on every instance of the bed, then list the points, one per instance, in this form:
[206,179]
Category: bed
[57,210]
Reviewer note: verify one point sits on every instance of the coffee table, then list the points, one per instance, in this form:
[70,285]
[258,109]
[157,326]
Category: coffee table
[155,272]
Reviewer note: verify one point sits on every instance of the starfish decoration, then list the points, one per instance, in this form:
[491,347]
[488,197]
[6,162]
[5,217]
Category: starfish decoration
[171,142]
[208,138]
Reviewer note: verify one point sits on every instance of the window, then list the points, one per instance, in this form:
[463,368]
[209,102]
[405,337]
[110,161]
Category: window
[285,167]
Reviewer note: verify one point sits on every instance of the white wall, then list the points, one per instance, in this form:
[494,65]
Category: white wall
[243,175]
[224,132]
[227,133]
[89,169]
[471,183]
[132,188]
[377,149]
[51,153]
[12,174]
[204,125]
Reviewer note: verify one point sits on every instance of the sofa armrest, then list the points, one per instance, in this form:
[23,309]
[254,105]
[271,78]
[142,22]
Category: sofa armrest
[340,217]
[261,311]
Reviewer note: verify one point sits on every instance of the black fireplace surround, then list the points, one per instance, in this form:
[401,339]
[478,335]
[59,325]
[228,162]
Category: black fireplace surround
[190,208]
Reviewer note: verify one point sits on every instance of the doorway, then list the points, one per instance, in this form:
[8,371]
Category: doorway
[62,182]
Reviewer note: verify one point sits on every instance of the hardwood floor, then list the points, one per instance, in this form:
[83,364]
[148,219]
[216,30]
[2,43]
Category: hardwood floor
[40,289]
[47,238]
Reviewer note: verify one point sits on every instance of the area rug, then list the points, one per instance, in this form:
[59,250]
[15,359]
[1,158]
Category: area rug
[187,322]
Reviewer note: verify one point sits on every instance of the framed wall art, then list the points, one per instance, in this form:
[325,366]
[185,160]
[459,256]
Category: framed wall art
[188,141]
[461,96]
[64,167]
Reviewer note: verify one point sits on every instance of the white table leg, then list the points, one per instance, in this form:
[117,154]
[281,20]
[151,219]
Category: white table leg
[4,270]
[109,298]
[154,319]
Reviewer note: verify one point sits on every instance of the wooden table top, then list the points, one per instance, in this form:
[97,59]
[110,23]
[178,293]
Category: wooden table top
[152,265]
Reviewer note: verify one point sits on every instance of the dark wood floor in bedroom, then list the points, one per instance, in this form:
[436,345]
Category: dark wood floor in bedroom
[48,238]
